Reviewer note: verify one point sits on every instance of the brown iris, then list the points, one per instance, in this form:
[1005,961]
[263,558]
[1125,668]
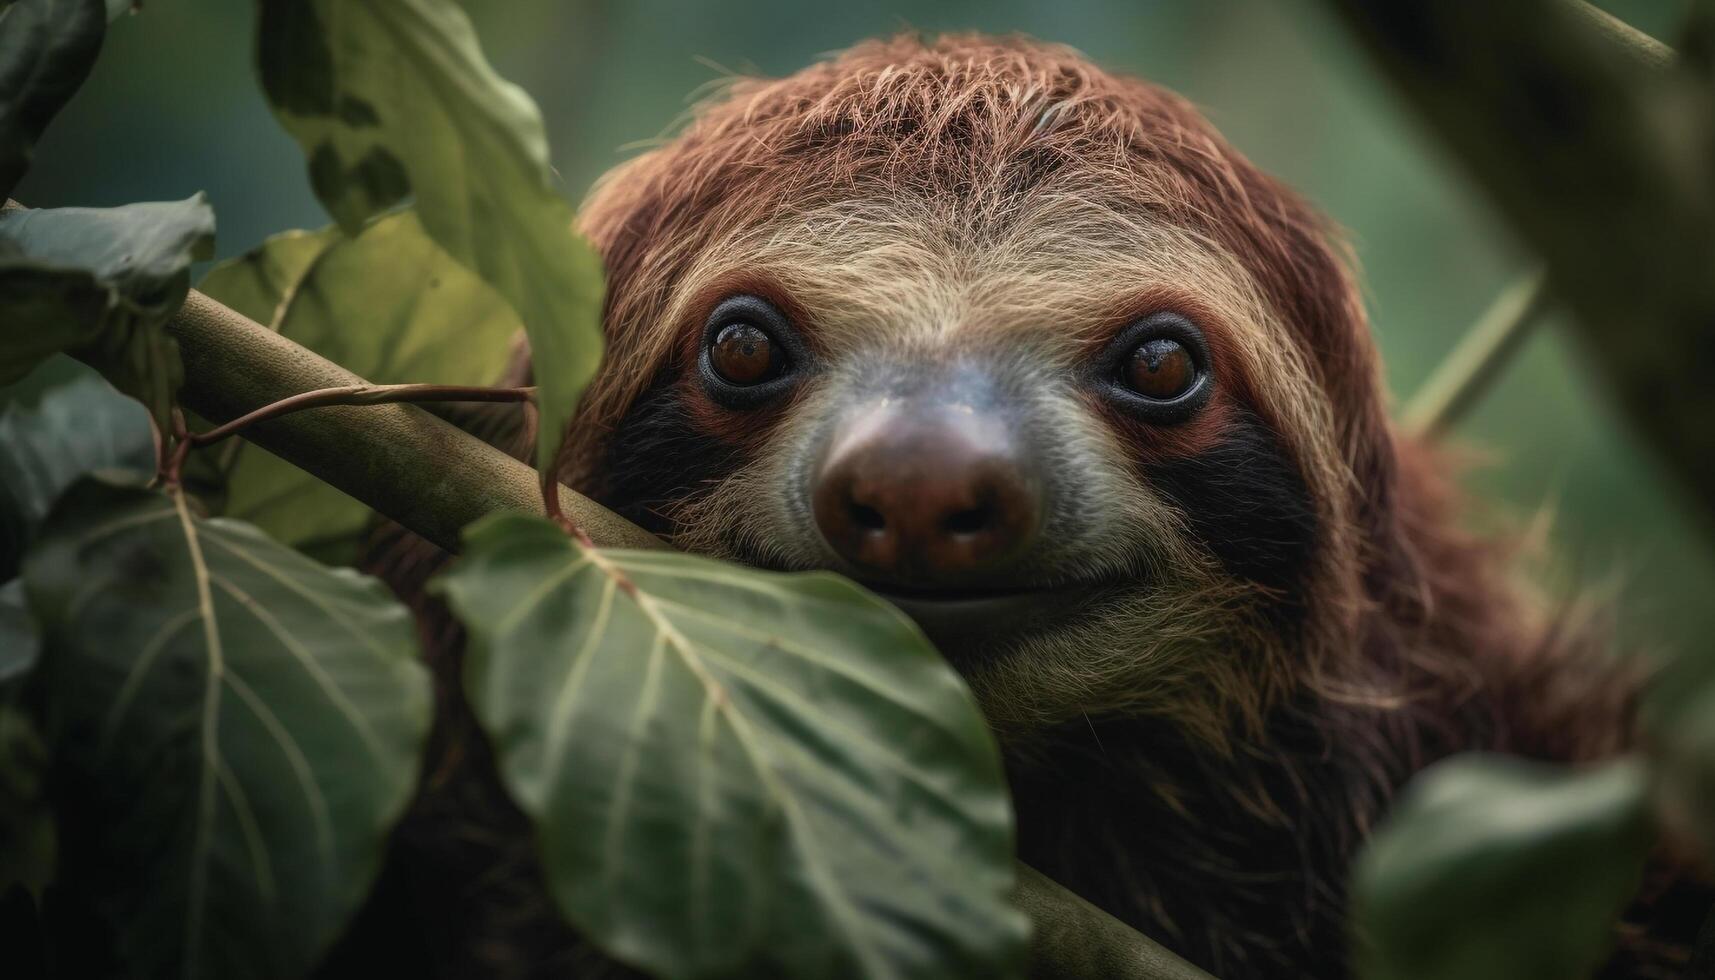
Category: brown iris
[1161,369]
[744,355]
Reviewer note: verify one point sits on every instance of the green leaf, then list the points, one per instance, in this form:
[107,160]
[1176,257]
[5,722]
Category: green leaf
[1496,868]
[736,772]
[391,97]
[74,427]
[47,48]
[259,282]
[101,283]
[236,730]
[391,306]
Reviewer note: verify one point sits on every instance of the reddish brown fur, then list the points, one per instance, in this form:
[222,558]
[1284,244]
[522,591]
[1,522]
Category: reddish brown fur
[1232,849]
[1431,649]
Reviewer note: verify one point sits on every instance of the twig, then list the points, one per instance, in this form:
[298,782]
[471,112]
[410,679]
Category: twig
[363,394]
[1467,373]
[1644,47]
[173,467]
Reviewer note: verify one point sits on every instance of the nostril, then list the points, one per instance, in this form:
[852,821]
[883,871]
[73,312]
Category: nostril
[969,521]
[867,518]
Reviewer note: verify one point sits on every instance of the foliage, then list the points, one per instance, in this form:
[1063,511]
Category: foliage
[67,426]
[398,99]
[101,282]
[1493,868]
[735,769]
[46,51]
[236,727]
[206,736]
[209,735]
[389,305]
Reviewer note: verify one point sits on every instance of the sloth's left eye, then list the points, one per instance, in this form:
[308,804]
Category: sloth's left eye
[744,355]
[750,353]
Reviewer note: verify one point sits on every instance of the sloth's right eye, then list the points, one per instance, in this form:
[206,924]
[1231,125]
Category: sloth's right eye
[744,355]
[750,352]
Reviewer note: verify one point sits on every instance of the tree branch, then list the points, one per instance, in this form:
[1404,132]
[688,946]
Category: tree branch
[419,470]
[1072,939]
[1600,150]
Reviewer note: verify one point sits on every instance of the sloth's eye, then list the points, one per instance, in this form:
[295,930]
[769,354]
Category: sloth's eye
[744,355]
[1157,369]
[1160,368]
[751,354]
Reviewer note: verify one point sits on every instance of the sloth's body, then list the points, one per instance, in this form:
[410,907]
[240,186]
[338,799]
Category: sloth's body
[1028,346]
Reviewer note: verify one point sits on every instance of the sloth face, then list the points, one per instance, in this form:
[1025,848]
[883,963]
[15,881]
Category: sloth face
[966,323]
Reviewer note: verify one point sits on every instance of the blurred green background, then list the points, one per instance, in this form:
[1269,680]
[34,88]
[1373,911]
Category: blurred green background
[173,108]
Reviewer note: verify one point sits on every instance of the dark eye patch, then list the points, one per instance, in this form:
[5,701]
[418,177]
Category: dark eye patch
[1246,501]
[657,457]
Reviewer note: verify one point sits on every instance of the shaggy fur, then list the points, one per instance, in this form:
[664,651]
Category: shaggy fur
[1292,623]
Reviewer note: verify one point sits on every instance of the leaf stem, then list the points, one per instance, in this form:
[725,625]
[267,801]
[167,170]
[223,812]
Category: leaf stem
[363,394]
[173,464]
[550,485]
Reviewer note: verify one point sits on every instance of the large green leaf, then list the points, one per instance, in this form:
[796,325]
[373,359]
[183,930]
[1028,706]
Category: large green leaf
[236,728]
[390,97]
[1496,868]
[736,772]
[47,48]
[65,430]
[101,283]
[388,304]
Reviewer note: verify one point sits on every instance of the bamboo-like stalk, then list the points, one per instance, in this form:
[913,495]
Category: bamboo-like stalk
[1462,378]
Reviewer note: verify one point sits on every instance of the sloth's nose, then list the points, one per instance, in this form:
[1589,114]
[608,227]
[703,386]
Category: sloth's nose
[927,495]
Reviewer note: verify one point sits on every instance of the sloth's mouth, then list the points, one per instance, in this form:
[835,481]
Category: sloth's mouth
[967,623]
[961,620]
[899,593]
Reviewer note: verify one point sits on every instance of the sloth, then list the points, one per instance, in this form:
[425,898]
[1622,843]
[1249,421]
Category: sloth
[1026,348]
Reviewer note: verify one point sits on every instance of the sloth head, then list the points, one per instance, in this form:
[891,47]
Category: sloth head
[1023,346]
